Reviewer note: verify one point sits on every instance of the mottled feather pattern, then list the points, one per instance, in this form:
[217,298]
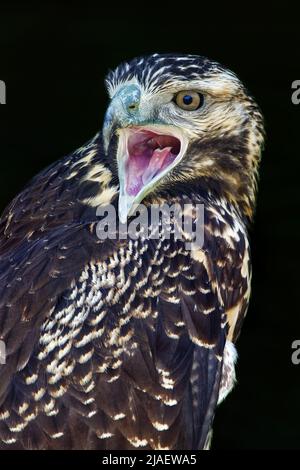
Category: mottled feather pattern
[128,344]
[157,71]
[107,333]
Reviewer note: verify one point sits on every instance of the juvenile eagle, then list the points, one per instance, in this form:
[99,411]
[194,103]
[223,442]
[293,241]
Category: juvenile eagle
[122,343]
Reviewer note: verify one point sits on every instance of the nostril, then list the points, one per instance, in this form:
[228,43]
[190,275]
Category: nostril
[132,106]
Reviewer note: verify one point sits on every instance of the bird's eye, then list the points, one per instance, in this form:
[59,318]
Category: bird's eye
[189,100]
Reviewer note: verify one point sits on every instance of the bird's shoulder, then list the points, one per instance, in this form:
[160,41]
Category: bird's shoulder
[228,249]
[66,192]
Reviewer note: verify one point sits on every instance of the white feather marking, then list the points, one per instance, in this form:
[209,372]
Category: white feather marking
[228,372]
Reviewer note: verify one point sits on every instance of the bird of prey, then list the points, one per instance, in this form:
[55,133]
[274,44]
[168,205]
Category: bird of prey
[128,342]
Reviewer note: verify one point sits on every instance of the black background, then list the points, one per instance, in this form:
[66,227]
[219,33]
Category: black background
[53,58]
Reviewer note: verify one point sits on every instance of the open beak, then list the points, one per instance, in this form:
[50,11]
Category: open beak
[145,155]
[145,152]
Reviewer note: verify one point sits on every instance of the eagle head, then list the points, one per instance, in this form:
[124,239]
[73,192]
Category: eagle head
[182,122]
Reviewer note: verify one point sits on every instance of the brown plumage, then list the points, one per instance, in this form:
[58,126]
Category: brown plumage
[128,344]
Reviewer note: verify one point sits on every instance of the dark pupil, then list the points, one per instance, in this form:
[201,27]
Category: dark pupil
[187,99]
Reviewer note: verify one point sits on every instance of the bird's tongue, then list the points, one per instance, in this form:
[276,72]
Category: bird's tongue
[156,164]
[148,158]
[141,169]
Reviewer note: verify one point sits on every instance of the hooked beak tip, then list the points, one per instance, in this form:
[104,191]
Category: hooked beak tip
[125,206]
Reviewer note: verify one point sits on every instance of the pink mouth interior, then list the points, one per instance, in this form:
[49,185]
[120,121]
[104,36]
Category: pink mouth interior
[148,155]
